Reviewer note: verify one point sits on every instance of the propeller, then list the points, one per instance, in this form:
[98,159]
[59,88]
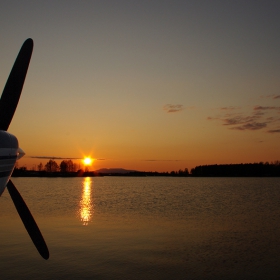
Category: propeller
[28,221]
[8,104]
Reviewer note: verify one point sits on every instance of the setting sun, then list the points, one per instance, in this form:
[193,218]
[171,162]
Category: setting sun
[87,161]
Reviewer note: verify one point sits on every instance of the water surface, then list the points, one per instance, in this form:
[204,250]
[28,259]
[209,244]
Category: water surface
[145,228]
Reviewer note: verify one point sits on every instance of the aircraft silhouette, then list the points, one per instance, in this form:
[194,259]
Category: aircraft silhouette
[9,148]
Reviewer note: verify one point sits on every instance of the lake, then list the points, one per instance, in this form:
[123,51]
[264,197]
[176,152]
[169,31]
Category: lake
[145,228]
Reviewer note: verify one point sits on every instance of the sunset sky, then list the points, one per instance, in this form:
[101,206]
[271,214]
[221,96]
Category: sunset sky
[146,85]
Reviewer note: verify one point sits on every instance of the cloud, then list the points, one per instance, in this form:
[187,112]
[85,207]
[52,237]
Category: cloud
[266,108]
[238,120]
[274,131]
[170,108]
[271,96]
[250,126]
[258,113]
[271,119]
[252,118]
[229,108]
[45,157]
[259,118]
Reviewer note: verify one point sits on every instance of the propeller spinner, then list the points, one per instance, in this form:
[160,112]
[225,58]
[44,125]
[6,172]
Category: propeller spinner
[9,149]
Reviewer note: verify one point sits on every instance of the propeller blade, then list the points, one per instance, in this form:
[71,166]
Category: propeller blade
[28,221]
[14,84]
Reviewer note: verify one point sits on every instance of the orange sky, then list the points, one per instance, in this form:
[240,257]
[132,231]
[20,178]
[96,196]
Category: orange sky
[147,86]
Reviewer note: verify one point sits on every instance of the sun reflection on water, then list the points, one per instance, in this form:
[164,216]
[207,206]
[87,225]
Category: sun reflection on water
[86,205]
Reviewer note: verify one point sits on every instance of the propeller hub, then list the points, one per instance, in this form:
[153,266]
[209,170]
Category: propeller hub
[20,153]
[8,157]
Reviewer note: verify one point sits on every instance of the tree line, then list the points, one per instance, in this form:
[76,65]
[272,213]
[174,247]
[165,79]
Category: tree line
[70,168]
[260,169]
[52,166]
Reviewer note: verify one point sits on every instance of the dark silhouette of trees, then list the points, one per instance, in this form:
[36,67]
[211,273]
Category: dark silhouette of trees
[63,166]
[51,166]
[238,170]
[67,166]
[183,172]
[180,173]
[40,167]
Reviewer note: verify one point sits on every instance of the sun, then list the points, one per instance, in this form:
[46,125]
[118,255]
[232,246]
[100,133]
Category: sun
[87,161]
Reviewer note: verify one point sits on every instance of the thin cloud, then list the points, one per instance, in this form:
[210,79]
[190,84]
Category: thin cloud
[170,108]
[266,108]
[250,126]
[238,120]
[274,131]
[258,113]
[271,96]
[45,157]
[272,119]
[229,108]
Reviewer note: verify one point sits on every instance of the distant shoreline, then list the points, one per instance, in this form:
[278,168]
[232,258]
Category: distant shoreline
[218,170]
[31,173]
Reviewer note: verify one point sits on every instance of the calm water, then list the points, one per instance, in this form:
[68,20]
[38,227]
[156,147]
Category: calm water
[145,228]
